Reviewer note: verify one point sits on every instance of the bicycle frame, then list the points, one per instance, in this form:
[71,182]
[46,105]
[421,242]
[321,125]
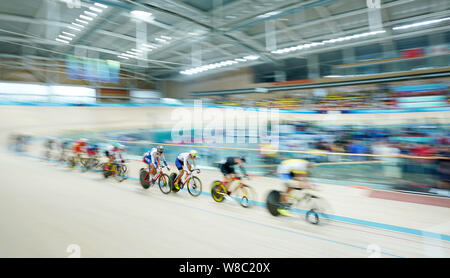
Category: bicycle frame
[159,173]
[186,179]
[305,195]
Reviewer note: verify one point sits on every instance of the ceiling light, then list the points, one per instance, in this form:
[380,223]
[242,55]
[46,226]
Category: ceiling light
[418,24]
[81,21]
[86,17]
[251,57]
[149,45]
[63,41]
[269,14]
[65,37]
[123,57]
[91,14]
[136,50]
[78,25]
[129,55]
[166,37]
[68,34]
[160,40]
[100,5]
[95,9]
[73,28]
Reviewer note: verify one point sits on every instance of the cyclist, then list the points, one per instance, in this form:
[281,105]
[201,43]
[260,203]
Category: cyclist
[92,150]
[295,172]
[80,147]
[183,165]
[49,144]
[114,154]
[227,170]
[64,146]
[152,158]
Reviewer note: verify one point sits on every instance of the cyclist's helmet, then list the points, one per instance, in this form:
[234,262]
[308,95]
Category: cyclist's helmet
[160,149]
[242,158]
[193,153]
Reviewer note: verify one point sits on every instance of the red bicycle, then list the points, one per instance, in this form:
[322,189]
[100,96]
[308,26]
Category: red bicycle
[194,184]
[161,178]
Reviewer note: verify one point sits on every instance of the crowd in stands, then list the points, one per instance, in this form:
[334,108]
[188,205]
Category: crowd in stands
[377,97]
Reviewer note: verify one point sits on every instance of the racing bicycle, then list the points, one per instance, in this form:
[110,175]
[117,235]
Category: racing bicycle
[193,183]
[117,170]
[244,194]
[305,201]
[161,178]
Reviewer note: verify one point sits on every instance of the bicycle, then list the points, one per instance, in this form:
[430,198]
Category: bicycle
[316,207]
[117,170]
[161,177]
[194,184]
[89,163]
[245,192]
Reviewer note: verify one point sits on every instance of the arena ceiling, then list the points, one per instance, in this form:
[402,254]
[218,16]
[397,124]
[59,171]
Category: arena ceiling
[174,39]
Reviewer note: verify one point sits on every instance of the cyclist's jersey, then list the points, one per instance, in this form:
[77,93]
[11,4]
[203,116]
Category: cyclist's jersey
[79,146]
[228,167]
[230,161]
[116,153]
[184,158]
[153,157]
[92,150]
[292,166]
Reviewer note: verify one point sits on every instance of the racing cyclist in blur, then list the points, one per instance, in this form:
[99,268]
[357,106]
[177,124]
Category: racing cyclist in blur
[114,154]
[183,165]
[152,158]
[294,172]
[229,173]
[80,147]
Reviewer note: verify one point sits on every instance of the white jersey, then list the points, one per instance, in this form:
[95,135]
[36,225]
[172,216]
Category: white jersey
[117,154]
[185,158]
[154,154]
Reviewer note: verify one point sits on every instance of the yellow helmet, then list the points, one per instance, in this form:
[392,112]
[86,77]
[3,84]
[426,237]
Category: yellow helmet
[193,153]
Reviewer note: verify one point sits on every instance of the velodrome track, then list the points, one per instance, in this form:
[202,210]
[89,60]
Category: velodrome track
[45,208]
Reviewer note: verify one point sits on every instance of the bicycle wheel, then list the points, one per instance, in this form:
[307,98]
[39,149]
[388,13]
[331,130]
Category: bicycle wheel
[273,201]
[218,191]
[72,162]
[164,183]
[172,178]
[85,164]
[318,210]
[142,175]
[120,175]
[194,186]
[247,196]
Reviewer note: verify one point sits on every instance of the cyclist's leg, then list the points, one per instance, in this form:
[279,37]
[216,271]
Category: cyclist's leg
[178,178]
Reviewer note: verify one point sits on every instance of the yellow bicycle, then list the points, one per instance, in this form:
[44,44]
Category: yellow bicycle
[117,170]
[244,194]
